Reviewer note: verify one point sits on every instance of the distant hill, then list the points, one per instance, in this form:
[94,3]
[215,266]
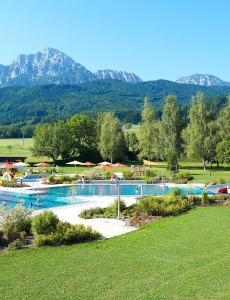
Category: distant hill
[47,103]
[203,79]
[51,66]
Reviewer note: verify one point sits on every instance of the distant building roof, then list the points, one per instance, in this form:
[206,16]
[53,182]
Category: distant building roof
[13,158]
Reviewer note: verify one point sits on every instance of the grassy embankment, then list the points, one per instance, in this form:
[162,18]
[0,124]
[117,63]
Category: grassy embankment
[184,257]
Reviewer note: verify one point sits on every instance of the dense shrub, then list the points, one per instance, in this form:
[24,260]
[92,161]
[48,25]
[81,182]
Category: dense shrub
[162,206]
[15,245]
[128,174]
[222,181]
[45,223]
[150,172]
[195,200]
[67,234]
[204,197]
[185,175]
[3,242]
[108,212]
[12,183]
[15,221]
[96,212]
[107,175]
[52,179]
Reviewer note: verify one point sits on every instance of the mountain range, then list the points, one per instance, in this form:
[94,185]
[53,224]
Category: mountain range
[51,66]
[203,80]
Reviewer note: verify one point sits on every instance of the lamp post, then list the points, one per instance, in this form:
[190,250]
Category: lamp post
[118,201]
[141,190]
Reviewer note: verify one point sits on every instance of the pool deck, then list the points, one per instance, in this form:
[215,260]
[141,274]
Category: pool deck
[107,227]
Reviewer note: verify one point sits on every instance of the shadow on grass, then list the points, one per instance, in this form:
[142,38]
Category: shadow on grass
[208,168]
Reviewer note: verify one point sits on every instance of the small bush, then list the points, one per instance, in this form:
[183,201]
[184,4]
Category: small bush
[3,242]
[12,183]
[67,234]
[51,179]
[205,198]
[162,206]
[15,221]
[15,245]
[65,178]
[96,212]
[44,223]
[121,204]
[186,175]
[108,212]
[195,200]
[222,181]
[150,172]
[176,192]
[128,175]
[107,175]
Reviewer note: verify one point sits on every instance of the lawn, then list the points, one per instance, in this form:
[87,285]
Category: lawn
[185,257]
[19,147]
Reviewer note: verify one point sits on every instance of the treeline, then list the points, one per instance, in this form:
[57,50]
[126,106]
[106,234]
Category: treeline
[26,128]
[201,134]
[205,138]
[16,131]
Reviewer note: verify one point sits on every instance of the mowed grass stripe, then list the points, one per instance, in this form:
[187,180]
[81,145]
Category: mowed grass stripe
[185,257]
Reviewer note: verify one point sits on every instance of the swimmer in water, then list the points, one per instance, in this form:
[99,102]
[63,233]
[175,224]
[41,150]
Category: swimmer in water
[31,205]
[4,204]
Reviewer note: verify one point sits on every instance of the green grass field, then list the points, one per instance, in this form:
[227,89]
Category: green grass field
[185,257]
[135,129]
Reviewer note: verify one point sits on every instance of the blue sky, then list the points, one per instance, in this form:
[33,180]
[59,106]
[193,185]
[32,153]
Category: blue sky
[152,38]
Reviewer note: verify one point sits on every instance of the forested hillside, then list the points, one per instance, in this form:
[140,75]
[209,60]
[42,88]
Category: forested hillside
[20,105]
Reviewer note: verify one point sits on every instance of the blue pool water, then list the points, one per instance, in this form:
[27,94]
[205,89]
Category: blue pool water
[59,196]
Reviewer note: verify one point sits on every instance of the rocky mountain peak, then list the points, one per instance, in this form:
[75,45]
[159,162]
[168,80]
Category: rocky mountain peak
[53,66]
[203,79]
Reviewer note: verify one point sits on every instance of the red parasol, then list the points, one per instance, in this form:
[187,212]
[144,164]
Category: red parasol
[119,165]
[42,164]
[103,167]
[89,164]
[8,166]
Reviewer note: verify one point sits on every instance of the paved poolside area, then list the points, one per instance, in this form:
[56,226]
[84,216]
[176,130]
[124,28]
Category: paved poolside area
[107,227]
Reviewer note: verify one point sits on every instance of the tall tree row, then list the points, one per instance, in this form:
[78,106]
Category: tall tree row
[149,132]
[197,130]
[223,124]
[170,132]
[206,138]
[111,138]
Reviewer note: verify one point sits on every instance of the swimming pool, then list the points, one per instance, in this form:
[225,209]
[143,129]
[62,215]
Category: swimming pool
[66,195]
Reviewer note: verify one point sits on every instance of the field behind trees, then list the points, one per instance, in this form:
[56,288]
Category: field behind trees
[13,147]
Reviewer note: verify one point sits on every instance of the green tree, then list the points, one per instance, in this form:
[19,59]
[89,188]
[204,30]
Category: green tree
[82,138]
[210,142]
[170,131]
[149,132]
[197,130]
[223,123]
[50,140]
[223,151]
[132,143]
[111,142]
